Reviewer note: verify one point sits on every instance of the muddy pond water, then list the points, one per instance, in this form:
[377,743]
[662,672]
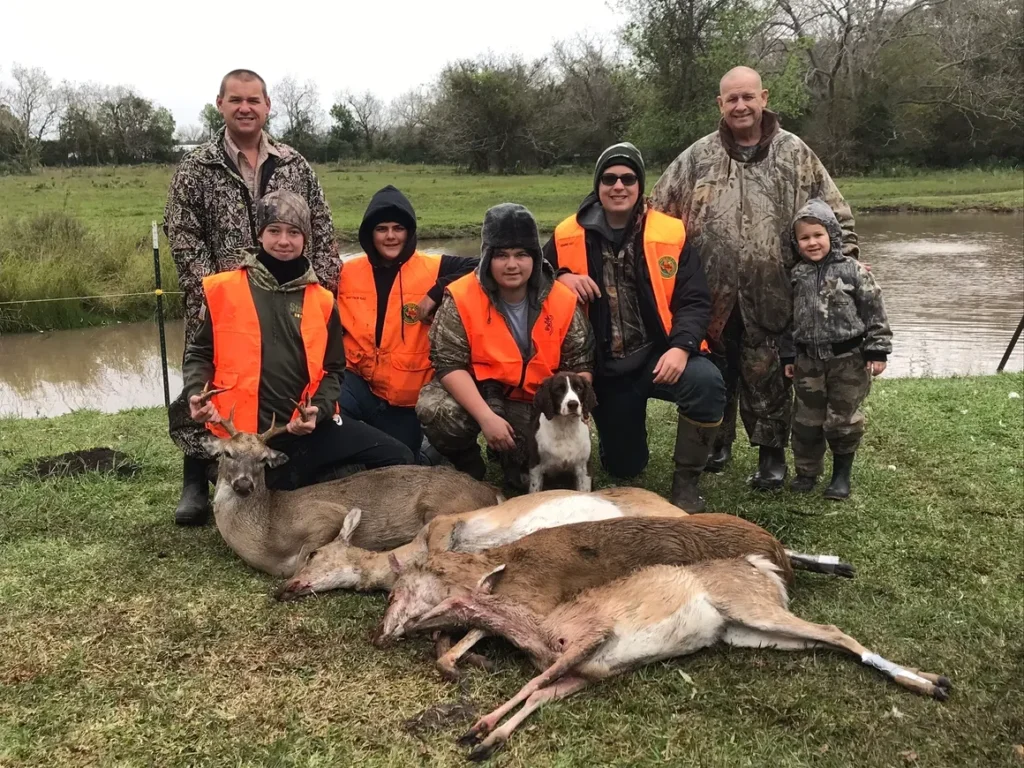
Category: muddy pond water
[953,284]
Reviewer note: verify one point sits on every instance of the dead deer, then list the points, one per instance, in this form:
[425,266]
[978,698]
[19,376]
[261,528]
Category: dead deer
[342,565]
[273,530]
[655,613]
[551,566]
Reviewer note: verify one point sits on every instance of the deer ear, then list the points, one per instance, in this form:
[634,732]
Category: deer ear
[212,444]
[489,580]
[348,527]
[396,567]
[274,458]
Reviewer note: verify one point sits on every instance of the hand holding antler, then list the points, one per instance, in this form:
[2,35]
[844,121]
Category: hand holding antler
[201,407]
[306,422]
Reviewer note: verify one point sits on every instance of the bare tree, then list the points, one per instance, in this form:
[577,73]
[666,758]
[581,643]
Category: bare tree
[36,107]
[370,114]
[299,104]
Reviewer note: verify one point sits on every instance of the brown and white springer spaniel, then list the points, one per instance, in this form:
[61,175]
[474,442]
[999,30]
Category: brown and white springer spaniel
[559,438]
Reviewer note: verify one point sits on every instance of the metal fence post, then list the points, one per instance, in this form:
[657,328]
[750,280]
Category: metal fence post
[160,314]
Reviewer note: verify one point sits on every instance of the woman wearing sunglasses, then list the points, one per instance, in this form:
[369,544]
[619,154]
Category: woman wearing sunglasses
[648,302]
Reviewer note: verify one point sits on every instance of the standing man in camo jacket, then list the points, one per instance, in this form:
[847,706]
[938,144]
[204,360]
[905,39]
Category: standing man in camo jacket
[737,190]
[211,216]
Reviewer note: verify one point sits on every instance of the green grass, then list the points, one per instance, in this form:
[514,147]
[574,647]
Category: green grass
[85,232]
[127,641]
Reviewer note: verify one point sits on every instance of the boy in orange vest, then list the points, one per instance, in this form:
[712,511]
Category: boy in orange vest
[271,336]
[386,298]
[500,331]
[644,290]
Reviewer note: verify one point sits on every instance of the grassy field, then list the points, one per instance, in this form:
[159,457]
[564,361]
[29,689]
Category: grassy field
[85,232]
[127,641]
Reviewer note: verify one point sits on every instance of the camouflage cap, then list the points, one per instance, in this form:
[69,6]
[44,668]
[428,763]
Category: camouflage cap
[283,206]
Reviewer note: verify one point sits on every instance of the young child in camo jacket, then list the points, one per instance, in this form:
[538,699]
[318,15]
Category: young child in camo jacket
[841,338]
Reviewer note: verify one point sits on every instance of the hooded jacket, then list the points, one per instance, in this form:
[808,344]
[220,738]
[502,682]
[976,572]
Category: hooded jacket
[389,204]
[837,305]
[738,214]
[504,228]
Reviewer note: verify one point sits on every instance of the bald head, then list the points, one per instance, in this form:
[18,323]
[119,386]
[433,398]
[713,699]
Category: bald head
[744,76]
[742,100]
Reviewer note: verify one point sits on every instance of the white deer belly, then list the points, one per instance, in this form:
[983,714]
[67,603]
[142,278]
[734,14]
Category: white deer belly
[480,534]
[697,624]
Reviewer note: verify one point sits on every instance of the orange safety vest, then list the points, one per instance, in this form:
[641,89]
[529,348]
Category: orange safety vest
[664,238]
[493,352]
[399,368]
[236,345]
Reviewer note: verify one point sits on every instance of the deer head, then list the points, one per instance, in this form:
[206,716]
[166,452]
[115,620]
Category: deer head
[242,457]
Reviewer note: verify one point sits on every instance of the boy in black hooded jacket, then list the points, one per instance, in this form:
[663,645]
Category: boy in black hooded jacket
[386,298]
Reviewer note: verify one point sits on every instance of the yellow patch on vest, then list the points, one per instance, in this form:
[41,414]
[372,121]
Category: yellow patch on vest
[668,266]
[410,313]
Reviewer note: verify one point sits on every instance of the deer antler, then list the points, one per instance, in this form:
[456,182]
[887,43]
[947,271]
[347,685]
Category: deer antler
[229,423]
[302,404]
[207,393]
[273,432]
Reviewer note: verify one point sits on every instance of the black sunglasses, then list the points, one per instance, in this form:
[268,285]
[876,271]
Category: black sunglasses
[609,179]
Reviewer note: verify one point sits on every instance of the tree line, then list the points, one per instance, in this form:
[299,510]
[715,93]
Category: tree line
[869,84]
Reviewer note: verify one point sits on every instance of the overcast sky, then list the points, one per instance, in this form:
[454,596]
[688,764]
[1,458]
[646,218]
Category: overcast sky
[175,53]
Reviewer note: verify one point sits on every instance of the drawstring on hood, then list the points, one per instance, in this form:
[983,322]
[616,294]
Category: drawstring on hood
[818,210]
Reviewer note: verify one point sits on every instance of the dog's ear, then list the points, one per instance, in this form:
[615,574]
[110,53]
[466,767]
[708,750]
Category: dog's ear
[589,396]
[543,401]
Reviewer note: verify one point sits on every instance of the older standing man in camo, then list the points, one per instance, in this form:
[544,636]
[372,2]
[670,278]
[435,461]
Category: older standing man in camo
[738,190]
[211,216]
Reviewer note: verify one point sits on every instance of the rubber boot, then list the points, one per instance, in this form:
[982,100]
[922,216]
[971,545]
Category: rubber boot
[839,488]
[471,462]
[771,469]
[693,444]
[194,506]
[803,483]
[719,458]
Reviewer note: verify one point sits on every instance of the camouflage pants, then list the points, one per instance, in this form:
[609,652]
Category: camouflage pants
[185,433]
[754,380]
[828,398]
[452,431]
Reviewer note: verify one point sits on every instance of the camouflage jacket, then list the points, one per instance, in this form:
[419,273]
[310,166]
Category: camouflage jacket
[210,216]
[837,305]
[739,214]
[449,345]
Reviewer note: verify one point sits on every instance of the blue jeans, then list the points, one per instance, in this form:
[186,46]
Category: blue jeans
[621,413]
[360,403]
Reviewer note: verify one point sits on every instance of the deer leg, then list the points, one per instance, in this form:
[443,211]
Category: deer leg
[493,614]
[497,738]
[536,479]
[573,652]
[442,643]
[446,661]
[769,626]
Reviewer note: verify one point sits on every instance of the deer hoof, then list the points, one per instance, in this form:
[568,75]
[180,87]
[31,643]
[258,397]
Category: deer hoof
[481,752]
[944,682]
[449,674]
[471,737]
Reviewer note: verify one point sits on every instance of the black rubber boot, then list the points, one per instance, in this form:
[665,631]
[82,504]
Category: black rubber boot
[719,458]
[693,444]
[194,506]
[839,488]
[803,483]
[471,462]
[771,469]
